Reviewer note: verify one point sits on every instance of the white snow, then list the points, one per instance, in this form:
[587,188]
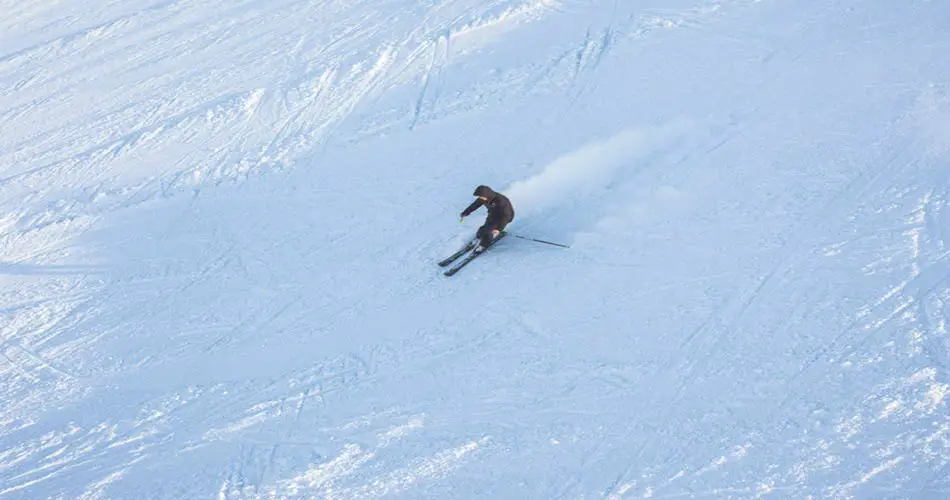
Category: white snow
[219,223]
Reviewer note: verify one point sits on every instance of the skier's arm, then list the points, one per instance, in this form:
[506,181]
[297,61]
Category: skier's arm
[473,207]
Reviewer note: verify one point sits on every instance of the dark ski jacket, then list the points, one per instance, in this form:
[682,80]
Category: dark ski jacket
[500,211]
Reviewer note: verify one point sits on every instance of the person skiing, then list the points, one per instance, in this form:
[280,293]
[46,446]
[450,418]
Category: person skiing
[500,214]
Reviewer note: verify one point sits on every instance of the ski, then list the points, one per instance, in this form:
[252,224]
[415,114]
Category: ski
[470,257]
[462,263]
[452,258]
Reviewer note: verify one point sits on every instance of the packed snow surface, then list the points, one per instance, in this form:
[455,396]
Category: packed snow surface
[219,223]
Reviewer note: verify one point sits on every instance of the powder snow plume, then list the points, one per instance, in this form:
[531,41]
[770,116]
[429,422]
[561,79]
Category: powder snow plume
[589,168]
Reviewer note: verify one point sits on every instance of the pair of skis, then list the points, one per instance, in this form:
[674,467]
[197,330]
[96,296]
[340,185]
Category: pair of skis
[469,252]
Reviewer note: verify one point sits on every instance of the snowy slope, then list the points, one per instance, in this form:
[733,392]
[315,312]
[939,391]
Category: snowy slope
[219,223]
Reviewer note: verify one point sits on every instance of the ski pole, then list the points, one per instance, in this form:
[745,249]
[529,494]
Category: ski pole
[539,241]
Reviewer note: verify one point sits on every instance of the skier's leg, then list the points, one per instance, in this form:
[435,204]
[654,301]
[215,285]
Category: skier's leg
[484,236]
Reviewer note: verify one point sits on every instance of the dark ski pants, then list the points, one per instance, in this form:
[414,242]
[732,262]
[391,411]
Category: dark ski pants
[484,234]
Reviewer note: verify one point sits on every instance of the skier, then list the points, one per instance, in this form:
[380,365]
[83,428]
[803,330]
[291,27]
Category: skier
[500,214]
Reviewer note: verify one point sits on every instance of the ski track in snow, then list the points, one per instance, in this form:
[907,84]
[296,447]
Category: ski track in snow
[160,113]
[754,305]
